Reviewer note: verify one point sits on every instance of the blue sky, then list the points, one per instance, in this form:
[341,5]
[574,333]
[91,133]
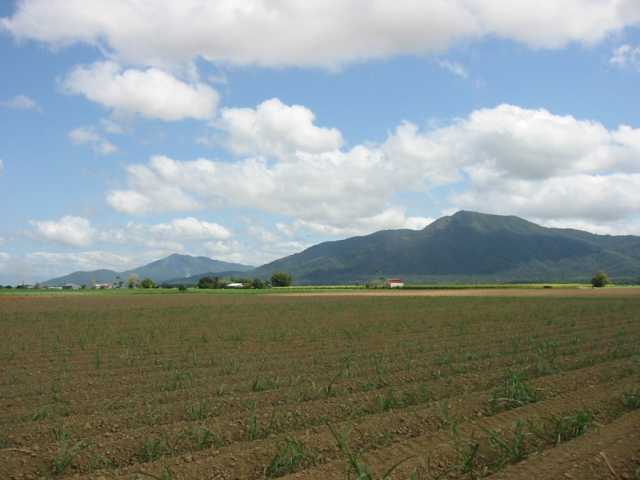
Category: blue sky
[248,130]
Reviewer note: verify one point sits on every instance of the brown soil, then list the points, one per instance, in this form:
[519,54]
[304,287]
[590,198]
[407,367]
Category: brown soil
[108,387]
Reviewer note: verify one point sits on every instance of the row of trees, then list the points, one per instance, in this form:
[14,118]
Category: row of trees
[217,282]
[134,282]
[279,279]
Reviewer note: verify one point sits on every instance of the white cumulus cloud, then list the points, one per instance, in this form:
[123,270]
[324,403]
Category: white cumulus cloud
[319,33]
[152,93]
[228,251]
[89,136]
[533,143]
[276,129]
[151,192]
[68,230]
[190,228]
[130,201]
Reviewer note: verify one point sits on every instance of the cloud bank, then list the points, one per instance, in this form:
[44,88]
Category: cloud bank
[326,34]
[78,231]
[505,159]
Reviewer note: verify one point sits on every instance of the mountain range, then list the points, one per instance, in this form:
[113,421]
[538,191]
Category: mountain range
[467,247]
[464,247]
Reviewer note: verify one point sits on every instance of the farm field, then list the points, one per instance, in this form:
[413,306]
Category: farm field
[327,386]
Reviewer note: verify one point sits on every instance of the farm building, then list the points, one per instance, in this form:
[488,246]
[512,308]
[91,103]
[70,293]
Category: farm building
[235,285]
[394,283]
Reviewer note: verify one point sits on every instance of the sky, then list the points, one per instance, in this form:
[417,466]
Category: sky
[247,130]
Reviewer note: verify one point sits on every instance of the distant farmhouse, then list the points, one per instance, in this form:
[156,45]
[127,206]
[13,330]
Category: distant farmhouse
[394,283]
[235,285]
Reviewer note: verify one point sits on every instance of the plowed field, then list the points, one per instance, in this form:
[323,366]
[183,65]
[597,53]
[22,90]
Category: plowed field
[320,387]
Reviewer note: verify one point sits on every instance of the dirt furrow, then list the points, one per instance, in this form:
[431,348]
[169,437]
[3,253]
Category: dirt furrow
[441,454]
[410,388]
[379,429]
[170,388]
[249,460]
[610,452]
[250,363]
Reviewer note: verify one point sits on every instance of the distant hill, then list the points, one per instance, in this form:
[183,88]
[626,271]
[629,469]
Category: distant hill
[182,266]
[85,278]
[173,267]
[466,247]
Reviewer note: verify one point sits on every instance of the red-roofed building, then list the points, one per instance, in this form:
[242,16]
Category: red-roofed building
[394,283]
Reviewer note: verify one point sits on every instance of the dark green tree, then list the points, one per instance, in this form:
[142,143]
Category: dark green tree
[148,283]
[600,279]
[281,279]
[208,282]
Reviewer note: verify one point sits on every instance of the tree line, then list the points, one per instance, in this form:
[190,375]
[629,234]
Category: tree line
[278,279]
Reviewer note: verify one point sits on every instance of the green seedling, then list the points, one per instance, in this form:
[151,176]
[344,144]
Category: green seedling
[512,393]
[153,449]
[292,455]
[40,414]
[355,463]
[510,448]
[388,401]
[329,390]
[631,400]
[565,428]
[65,455]
[177,380]
[205,438]
[198,411]
[252,427]
[468,452]
[262,384]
